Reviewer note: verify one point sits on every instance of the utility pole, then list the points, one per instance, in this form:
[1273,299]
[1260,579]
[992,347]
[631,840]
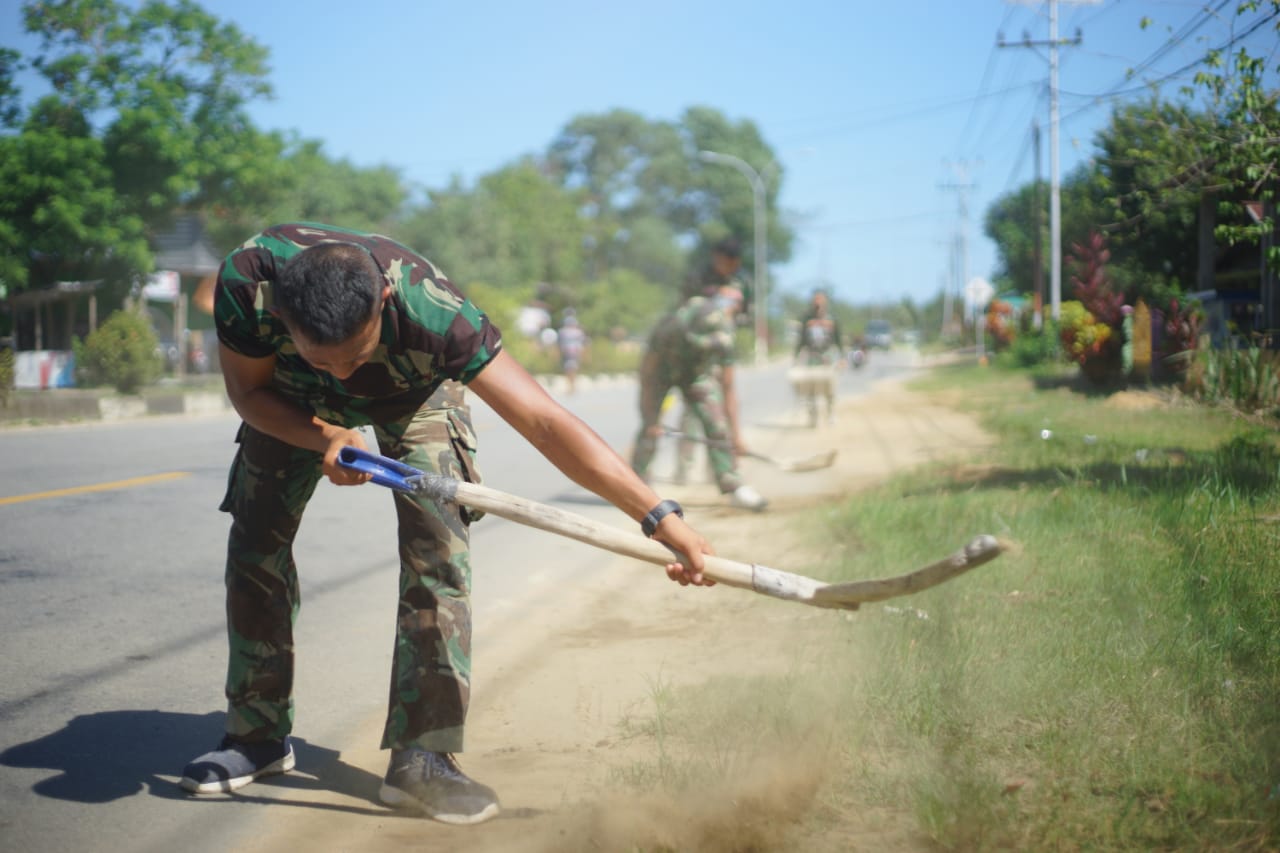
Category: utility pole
[1037,256]
[761,241]
[960,255]
[1055,185]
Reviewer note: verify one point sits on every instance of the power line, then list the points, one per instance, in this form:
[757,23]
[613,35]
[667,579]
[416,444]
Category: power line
[904,116]
[994,116]
[1100,98]
[878,220]
[982,85]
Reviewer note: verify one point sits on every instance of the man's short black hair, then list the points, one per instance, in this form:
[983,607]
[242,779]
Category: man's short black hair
[327,293]
[729,247]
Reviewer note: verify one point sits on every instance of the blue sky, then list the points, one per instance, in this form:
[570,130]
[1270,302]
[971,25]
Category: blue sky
[876,110]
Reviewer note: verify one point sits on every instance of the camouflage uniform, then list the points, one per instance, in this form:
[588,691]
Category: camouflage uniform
[686,351]
[430,334]
[819,341]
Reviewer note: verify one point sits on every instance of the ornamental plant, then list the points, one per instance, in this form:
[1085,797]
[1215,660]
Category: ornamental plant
[6,374]
[123,352]
[1000,324]
[1181,327]
[1083,337]
[1100,353]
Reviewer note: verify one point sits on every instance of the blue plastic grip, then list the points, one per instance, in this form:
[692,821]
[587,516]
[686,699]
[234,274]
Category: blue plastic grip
[386,472]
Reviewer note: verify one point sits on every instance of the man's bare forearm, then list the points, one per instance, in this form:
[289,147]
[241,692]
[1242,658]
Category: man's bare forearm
[265,410]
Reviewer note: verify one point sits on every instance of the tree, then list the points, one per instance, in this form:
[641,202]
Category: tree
[60,217]
[1152,169]
[514,229]
[295,180]
[1228,150]
[145,117]
[1244,143]
[631,170]
[1009,223]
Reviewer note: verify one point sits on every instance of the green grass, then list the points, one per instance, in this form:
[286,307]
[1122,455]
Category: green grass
[1113,683]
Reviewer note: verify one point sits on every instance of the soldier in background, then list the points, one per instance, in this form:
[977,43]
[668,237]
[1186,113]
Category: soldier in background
[818,355]
[691,351]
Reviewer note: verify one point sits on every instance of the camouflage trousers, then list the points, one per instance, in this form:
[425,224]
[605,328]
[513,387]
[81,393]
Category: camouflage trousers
[703,400]
[269,486]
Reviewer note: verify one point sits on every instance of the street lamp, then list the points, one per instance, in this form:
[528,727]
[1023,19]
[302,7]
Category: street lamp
[761,241]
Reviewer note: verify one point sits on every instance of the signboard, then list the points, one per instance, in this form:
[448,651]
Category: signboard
[44,369]
[977,293]
[161,286]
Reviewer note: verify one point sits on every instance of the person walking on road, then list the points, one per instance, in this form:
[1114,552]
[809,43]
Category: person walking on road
[571,340]
[819,340]
[323,330]
[817,356]
[691,351]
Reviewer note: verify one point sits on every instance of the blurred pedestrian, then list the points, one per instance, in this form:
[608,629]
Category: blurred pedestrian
[817,356]
[819,340]
[572,343]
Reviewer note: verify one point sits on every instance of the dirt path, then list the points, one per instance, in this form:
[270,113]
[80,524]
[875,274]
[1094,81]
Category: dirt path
[548,718]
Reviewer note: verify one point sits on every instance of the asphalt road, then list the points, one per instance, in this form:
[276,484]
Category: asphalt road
[111,611]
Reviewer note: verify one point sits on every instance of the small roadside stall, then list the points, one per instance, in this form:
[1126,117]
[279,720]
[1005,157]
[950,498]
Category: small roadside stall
[45,321]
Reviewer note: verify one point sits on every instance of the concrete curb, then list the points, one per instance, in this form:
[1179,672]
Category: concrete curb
[89,406]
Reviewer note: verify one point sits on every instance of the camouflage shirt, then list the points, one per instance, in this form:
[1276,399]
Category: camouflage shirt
[696,336]
[430,331]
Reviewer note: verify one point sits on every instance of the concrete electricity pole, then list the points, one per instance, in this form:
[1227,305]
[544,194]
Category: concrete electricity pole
[960,262]
[759,198]
[1055,185]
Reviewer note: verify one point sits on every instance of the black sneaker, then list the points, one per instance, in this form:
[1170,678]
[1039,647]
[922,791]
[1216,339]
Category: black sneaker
[234,764]
[433,782]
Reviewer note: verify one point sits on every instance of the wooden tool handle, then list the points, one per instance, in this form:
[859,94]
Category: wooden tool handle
[591,532]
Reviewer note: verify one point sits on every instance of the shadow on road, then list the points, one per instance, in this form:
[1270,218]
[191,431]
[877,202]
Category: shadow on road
[115,754]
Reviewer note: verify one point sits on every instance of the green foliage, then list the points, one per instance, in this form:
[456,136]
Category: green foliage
[60,218]
[1250,461]
[1106,684]
[6,374]
[621,305]
[1110,694]
[1010,223]
[146,116]
[122,353]
[1156,159]
[633,173]
[1247,378]
[515,227]
[294,180]
[1151,172]
[1244,143]
[1034,347]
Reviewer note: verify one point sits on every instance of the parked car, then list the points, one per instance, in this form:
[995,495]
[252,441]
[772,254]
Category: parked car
[879,334]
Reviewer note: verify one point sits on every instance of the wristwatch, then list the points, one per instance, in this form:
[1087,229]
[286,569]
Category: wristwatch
[649,524]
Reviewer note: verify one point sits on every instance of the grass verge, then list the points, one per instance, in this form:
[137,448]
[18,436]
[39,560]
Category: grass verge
[1112,683]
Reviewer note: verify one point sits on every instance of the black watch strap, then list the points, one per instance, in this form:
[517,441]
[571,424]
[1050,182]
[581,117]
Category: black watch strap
[649,524]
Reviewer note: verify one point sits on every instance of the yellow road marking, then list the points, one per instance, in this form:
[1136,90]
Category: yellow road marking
[96,487]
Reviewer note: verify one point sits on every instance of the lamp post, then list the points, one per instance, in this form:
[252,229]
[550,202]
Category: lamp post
[761,244]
